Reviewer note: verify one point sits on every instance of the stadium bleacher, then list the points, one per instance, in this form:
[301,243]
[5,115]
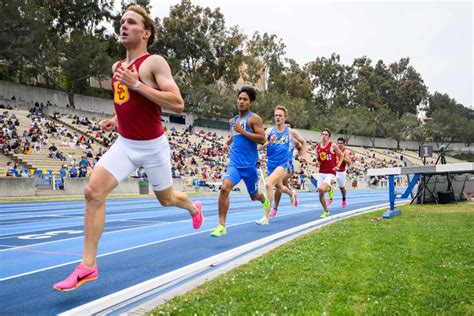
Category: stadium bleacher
[197,154]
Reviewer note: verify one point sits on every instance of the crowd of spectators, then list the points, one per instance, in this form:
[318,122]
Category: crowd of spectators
[195,154]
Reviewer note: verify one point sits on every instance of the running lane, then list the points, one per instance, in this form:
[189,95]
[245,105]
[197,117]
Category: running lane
[42,242]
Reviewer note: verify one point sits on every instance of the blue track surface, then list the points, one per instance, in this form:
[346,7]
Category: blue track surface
[40,243]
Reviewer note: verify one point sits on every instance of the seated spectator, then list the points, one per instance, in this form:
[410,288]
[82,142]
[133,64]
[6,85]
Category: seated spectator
[21,172]
[73,172]
[27,150]
[38,146]
[83,172]
[10,169]
[59,155]
[83,162]
[53,148]
[38,172]
[89,154]
[140,173]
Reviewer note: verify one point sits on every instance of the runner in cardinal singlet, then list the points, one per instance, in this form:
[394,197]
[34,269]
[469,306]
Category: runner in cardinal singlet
[142,86]
[328,166]
[341,173]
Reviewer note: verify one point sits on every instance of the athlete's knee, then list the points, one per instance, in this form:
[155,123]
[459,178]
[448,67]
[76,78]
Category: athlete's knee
[269,185]
[93,194]
[225,189]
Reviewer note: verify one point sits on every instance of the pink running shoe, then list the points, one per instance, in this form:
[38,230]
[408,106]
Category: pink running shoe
[295,199]
[273,212]
[78,277]
[328,202]
[198,218]
[344,204]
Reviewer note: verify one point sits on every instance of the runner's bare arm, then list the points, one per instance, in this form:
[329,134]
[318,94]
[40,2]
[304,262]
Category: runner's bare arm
[301,140]
[265,145]
[338,152]
[347,158]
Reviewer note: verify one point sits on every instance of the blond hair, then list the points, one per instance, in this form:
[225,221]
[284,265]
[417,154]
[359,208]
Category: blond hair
[148,22]
[282,108]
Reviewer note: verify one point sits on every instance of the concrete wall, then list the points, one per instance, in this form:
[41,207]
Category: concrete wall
[26,96]
[16,187]
[10,187]
[128,186]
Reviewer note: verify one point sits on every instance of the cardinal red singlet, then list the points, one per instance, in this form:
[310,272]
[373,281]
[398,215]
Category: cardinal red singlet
[326,159]
[138,117]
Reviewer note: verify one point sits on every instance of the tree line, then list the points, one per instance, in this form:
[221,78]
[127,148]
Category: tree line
[62,44]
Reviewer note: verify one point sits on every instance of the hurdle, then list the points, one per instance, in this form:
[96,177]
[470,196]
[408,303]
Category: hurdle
[422,174]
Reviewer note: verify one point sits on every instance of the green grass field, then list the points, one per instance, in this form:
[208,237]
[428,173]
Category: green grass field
[419,263]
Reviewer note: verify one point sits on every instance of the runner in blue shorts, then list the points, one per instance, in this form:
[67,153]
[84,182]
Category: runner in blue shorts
[246,131]
[301,147]
[279,141]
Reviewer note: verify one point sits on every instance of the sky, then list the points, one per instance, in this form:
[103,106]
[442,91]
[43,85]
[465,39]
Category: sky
[437,36]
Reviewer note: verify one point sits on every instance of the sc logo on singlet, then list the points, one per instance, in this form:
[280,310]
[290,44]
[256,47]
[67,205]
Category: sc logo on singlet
[121,94]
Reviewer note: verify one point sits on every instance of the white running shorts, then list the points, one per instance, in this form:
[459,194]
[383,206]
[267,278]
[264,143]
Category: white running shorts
[341,179]
[126,155]
[326,178]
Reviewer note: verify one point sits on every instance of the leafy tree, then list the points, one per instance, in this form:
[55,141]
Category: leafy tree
[364,90]
[348,122]
[468,136]
[445,127]
[76,15]
[330,79]
[407,91]
[264,58]
[92,62]
[419,133]
[401,129]
[439,101]
[298,112]
[59,42]
[376,124]
[25,39]
[214,100]
[82,49]
[198,44]
[293,81]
